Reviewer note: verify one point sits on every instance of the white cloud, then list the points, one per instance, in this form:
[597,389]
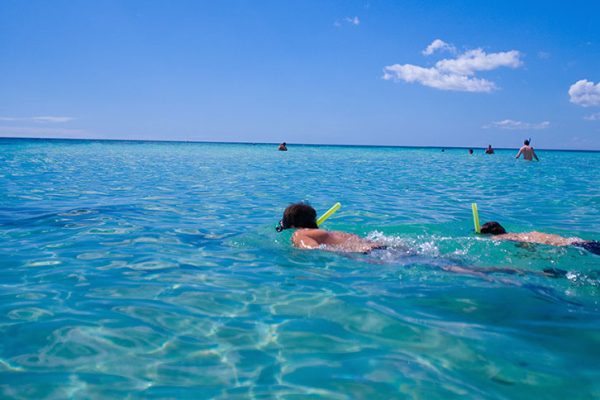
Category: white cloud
[585,93]
[592,117]
[434,78]
[348,20]
[477,60]
[33,132]
[517,125]
[438,44]
[41,119]
[543,55]
[52,119]
[352,20]
[457,73]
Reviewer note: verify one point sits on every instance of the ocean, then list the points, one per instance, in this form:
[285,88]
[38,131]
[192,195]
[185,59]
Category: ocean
[153,270]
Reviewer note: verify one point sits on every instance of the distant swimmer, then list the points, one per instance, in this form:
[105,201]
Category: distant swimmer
[470,151]
[489,150]
[527,151]
[282,147]
[499,233]
[303,218]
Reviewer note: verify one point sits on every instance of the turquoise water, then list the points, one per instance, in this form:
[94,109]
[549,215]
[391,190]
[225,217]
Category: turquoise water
[154,270]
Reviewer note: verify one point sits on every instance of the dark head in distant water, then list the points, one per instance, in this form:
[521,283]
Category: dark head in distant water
[492,228]
[298,215]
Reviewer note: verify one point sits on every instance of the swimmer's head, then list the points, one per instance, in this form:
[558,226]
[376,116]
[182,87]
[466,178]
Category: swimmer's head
[298,215]
[526,142]
[492,228]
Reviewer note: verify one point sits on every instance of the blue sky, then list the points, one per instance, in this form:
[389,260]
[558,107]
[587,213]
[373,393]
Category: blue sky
[343,72]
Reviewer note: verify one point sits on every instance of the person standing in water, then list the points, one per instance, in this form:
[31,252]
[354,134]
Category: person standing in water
[528,152]
[282,147]
[489,150]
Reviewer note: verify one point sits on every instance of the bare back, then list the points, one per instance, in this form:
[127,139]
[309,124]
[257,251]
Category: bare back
[528,153]
[538,238]
[333,241]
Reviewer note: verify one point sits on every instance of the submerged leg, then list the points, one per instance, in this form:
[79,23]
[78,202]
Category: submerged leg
[591,246]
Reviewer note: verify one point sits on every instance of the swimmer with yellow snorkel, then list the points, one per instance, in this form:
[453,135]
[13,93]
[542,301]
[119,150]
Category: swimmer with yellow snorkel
[308,235]
[498,232]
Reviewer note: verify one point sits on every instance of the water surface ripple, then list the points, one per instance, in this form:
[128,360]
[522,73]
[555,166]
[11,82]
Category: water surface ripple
[153,270]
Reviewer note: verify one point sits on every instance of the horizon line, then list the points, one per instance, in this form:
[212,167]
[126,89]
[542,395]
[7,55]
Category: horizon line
[288,143]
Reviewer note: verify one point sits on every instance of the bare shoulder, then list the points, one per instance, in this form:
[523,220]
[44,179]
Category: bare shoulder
[504,236]
[308,238]
[309,233]
[516,237]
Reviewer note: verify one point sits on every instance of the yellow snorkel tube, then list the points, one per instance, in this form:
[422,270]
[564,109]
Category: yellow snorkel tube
[328,213]
[475,217]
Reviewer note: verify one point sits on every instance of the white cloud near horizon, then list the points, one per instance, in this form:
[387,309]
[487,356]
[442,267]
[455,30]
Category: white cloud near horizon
[517,125]
[438,45]
[37,132]
[41,119]
[592,117]
[585,93]
[456,74]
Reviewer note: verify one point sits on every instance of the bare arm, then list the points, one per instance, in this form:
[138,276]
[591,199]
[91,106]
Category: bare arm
[519,153]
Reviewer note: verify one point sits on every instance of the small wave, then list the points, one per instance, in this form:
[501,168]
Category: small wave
[419,246]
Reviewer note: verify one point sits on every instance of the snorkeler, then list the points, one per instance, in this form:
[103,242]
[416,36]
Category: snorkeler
[282,147]
[499,233]
[527,151]
[303,218]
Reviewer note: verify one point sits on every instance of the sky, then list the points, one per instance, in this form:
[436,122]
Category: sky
[402,73]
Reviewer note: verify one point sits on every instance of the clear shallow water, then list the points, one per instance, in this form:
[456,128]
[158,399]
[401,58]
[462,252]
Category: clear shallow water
[153,270]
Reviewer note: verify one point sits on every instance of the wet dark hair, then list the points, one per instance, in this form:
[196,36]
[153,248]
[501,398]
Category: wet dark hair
[298,215]
[493,228]
[526,142]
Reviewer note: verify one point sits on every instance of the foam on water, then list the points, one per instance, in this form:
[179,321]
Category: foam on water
[154,270]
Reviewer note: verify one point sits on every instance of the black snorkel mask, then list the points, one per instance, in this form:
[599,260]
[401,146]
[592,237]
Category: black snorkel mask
[281,226]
